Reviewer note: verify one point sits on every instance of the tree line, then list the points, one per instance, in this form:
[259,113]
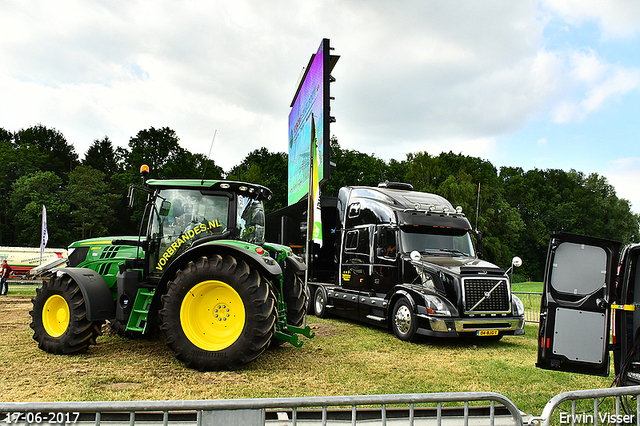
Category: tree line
[516,210]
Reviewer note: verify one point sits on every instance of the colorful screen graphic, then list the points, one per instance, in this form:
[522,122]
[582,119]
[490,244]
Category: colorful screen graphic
[311,100]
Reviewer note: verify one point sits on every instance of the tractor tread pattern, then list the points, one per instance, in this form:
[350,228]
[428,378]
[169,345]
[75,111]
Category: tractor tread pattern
[80,334]
[253,289]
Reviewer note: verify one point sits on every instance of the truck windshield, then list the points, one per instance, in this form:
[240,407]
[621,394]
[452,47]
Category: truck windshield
[437,243]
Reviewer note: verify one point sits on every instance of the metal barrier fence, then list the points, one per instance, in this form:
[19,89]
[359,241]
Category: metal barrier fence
[531,303]
[461,408]
[585,407]
[594,410]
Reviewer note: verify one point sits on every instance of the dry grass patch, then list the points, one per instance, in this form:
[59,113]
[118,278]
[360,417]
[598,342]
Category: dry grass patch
[344,358]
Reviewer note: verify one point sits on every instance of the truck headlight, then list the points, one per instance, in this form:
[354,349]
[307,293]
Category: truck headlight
[517,307]
[436,306]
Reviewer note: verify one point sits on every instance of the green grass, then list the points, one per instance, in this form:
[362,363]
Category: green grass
[22,289]
[529,287]
[344,358]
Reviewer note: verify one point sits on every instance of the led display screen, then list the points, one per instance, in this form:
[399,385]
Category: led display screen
[311,101]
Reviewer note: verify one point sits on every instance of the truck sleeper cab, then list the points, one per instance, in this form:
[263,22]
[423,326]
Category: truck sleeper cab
[405,260]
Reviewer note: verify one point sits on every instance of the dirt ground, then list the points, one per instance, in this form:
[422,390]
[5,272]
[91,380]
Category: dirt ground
[14,313]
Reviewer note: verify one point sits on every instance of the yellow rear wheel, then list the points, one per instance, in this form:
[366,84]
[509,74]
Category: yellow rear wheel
[55,315]
[212,315]
[218,313]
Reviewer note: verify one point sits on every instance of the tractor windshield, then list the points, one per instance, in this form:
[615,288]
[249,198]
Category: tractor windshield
[182,217]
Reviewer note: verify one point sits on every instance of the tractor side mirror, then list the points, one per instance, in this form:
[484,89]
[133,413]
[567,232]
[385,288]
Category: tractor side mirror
[165,207]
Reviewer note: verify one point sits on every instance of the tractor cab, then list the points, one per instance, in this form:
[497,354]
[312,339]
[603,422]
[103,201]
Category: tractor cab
[188,213]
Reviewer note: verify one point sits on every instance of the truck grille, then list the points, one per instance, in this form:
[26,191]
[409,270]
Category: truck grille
[482,295]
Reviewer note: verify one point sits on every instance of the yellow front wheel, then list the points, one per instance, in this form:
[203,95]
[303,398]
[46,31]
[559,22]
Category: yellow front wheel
[59,317]
[55,316]
[212,315]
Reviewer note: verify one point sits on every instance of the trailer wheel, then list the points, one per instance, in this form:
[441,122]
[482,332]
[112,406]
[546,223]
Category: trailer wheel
[403,320]
[307,290]
[59,318]
[217,314]
[320,302]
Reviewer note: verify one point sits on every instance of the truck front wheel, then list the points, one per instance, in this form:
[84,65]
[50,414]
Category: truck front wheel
[403,320]
[59,318]
[217,314]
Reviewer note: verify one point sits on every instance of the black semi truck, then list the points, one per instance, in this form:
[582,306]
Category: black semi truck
[402,259]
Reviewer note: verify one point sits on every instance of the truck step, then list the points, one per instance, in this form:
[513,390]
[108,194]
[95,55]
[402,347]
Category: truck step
[375,318]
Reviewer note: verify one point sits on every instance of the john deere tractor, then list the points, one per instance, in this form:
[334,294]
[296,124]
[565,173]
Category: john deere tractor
[202,273]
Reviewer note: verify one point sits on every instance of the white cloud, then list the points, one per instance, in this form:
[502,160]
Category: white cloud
[592,83]
[436,76]
[617,18]
[624,175]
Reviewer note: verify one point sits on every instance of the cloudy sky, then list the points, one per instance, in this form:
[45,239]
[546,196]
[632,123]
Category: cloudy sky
[535,84]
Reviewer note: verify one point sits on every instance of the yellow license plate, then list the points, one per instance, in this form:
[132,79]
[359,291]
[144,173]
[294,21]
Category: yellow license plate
[487,333]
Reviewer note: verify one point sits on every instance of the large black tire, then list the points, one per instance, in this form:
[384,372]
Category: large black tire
[295,296]
[217,314]
[403,320]
[59,318]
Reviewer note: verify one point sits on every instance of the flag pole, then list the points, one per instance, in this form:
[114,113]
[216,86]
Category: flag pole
[44,235]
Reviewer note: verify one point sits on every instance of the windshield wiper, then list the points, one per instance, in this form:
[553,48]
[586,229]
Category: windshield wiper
[455,251]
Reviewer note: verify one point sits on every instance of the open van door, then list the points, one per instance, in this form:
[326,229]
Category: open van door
[575,310]
[626,318]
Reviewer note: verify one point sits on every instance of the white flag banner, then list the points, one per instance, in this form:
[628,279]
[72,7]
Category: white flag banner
[45,233]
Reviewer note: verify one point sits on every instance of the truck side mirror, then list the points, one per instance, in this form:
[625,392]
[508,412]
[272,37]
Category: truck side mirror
[516,262]
[479,245]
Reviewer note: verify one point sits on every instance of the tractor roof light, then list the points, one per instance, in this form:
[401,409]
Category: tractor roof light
[459,209]
[144,172]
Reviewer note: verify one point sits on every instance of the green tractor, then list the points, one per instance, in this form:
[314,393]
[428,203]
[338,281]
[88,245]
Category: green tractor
[202,273]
